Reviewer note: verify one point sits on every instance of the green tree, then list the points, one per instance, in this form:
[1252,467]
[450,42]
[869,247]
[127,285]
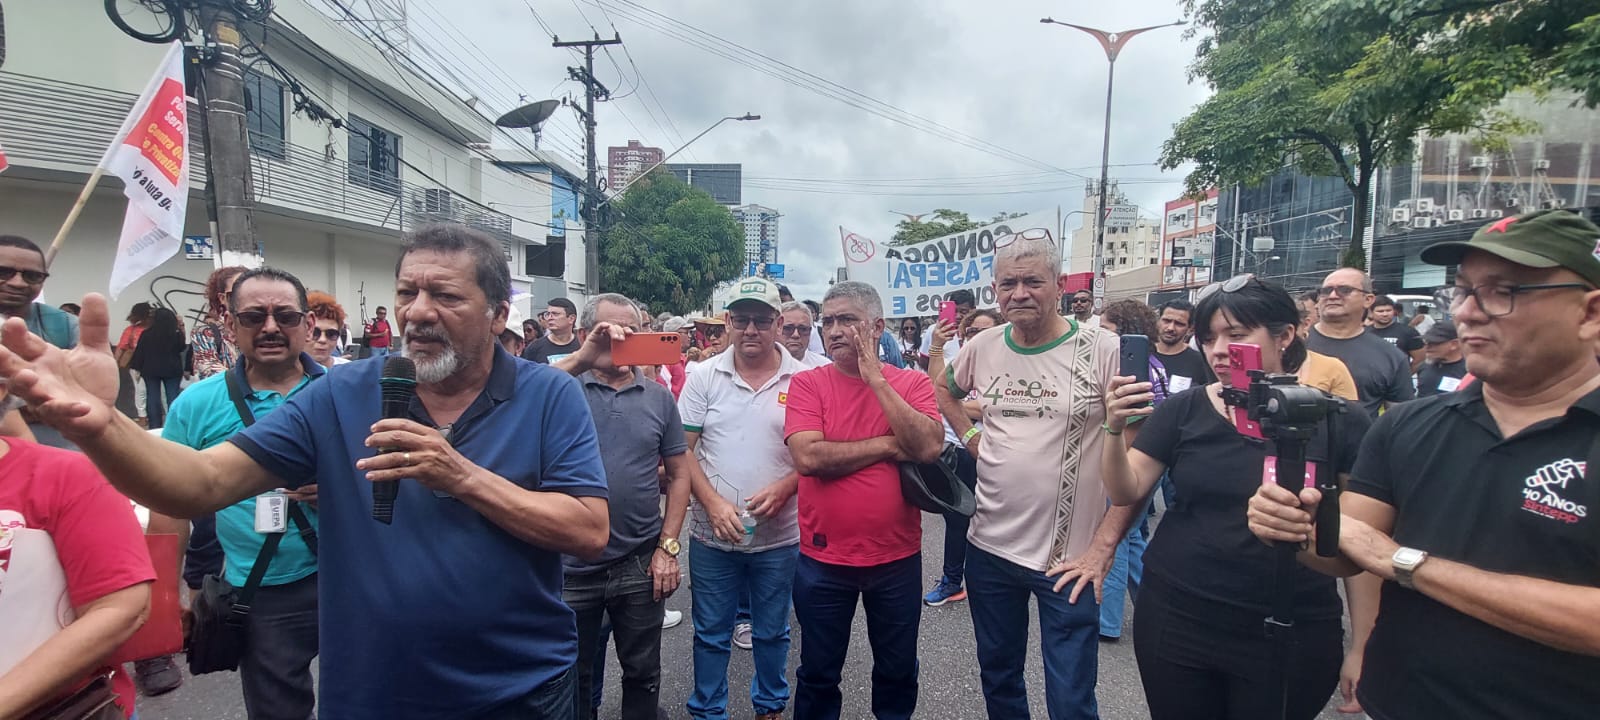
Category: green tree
[1332,87]
[669,245]
[945,222]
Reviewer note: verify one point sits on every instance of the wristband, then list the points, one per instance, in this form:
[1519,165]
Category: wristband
[1109,431]
[969,434]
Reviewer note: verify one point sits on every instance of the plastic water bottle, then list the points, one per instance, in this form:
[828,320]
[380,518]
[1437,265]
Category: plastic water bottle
[749,522]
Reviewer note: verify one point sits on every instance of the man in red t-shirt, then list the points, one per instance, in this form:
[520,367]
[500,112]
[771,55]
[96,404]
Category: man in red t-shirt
[64,532]
[378,333]
[848,426]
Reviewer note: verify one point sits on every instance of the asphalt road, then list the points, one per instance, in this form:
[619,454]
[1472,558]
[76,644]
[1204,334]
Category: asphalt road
[949,681]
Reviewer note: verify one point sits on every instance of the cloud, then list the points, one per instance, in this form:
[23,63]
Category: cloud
[987,69]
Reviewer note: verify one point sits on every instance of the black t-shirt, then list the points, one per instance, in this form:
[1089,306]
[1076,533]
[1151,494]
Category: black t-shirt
[1400,335]
[1188,364]
[1443,377]
[546,351]
[1382,373]
[1520,506]
[1202,544]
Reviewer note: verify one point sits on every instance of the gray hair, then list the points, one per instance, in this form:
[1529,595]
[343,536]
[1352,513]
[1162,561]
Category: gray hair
[1024,248]
[590,309]
[793,306]
[859,293]
[488,257]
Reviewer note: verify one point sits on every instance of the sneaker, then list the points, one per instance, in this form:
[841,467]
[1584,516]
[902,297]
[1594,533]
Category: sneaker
[671,619]
[944,592]
[157,676]
[741,636]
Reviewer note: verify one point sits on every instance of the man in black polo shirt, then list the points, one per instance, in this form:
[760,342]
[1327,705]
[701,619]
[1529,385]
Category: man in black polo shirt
[1387,325]
[1475,503]
[1186,367]
[1445,364]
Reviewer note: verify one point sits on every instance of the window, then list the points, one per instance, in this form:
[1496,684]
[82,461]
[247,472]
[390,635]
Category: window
[374,156]
[548,260]
[263,114]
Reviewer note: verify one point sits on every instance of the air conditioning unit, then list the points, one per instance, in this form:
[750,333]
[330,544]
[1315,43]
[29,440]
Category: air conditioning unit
[1496,214]
[1541,165]
[1424,205]
[1422,223]
[1479,162]
[1480,214]
[1512,202]
[1400,215]
[435,201]
[1262,244]
[1458,215]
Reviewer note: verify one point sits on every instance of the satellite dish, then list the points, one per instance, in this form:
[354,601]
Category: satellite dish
[530,115]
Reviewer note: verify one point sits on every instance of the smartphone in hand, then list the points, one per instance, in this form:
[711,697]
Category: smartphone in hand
[947,312]
[1242,358]
[646,349]
[1135,358]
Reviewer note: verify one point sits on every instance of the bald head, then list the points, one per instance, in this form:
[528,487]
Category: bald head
[1345,296]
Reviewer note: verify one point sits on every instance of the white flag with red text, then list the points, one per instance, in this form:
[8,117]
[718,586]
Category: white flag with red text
[151,155]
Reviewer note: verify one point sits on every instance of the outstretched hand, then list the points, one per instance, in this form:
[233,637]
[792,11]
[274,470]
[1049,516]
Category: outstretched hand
[69,390]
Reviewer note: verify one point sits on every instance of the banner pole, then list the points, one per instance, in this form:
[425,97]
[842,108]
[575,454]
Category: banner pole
[72,217]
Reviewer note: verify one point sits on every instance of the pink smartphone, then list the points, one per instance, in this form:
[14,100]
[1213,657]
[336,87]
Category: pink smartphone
[947,312]
[1242,358]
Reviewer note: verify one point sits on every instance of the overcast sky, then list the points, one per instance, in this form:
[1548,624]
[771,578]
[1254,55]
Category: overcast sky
[987,69]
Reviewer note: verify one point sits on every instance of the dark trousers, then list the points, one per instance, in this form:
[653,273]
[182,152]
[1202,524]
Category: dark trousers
[1068,637]
[204,555]
[622,590]
[550,701]
[955,524]
[825,598]
[1202,659]
[280,642]
[154,407]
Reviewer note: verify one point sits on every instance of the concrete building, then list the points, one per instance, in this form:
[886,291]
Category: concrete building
[623,164]
[1187,231]
[330,204]
[724,181]
[760,232]
[1127,248]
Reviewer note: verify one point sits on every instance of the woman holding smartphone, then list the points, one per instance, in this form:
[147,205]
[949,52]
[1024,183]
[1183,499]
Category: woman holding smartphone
[1208,582]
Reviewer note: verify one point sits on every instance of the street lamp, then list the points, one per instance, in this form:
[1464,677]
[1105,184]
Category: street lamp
[646,171]
[1112,42]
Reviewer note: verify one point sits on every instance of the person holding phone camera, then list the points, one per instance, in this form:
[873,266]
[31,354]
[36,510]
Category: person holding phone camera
[1208,582]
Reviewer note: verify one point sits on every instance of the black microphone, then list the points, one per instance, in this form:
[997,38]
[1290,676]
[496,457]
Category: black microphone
[399,383]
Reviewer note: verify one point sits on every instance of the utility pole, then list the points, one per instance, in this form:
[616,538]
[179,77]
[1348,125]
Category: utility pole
[593,91]
[228,141]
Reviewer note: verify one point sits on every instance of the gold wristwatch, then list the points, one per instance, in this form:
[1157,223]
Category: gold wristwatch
[670,545]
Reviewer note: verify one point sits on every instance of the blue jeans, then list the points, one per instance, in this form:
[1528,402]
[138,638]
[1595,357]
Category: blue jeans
[379,352]
[718,581]
[1123,580]
[825,598]
[997,595]
[955,524]
[154,408]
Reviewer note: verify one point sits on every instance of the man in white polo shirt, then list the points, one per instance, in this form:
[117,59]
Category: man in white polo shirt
[744,519]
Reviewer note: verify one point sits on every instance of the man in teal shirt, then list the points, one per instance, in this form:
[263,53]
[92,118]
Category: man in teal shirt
[267,312]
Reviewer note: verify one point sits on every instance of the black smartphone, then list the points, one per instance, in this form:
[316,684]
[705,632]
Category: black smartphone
[1135,357]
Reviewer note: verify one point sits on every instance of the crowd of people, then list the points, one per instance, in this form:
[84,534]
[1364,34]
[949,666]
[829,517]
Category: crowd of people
[558,495]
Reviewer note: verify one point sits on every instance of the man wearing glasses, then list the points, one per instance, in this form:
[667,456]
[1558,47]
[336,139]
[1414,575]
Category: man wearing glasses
[796,333]
[1478,504]
[269,316]
[1381,371]
[22,276]
[1082,309]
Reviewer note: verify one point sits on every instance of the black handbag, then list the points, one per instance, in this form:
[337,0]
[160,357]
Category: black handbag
[94,701]
[216,638]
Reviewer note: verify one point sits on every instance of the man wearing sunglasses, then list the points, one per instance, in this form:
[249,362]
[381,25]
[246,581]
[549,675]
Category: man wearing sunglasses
[22,276]
[797,332]
[1479,504]
[1381,371]
[1082,309]
[454,609]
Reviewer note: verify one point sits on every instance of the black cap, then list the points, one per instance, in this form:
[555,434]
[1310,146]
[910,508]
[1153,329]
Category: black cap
[1544,239]
[934,487]
[1442,331]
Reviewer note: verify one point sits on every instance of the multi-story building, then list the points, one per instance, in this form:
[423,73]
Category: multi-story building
[330,204]
[623,164]
[1127,247]
[1187,233]
[724,181]
[760,232]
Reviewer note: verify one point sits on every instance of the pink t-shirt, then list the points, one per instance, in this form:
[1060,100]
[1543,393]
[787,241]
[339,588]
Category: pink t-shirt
[66,538]
[860,519]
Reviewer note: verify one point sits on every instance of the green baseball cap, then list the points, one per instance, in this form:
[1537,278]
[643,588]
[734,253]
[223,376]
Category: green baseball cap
[1543,239]
[754,289]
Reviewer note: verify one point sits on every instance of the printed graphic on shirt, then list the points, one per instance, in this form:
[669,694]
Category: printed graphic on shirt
[1543,490]
[783,399]
[1020,397]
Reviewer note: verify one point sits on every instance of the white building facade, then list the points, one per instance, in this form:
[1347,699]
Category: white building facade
[760,225]
[331,204]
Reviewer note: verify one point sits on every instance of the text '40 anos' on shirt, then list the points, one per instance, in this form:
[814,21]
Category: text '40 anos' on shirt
[1040,495]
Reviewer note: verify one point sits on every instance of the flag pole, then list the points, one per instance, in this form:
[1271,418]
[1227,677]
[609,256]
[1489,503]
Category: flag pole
[72,217]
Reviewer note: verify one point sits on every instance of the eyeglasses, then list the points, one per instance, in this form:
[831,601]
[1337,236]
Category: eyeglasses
[31,277]
[1029,234]
[1231,285]
[1082,301]
[253,319]
[1342,290]
[1496,300]
[741,322]
[797,330]
[332,334]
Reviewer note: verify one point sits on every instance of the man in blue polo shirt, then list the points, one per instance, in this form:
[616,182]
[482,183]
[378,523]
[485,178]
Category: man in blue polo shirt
[454,610]
[267,314]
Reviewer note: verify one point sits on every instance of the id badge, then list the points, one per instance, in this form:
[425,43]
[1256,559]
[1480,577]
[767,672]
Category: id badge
[272,513]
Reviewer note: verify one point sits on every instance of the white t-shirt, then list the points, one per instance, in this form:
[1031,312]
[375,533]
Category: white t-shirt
[1040,493]
[741,445]
[815,360]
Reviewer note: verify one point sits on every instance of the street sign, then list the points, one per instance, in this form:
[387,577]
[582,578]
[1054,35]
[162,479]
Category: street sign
[775,271]
[1121,216]
[198,247]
